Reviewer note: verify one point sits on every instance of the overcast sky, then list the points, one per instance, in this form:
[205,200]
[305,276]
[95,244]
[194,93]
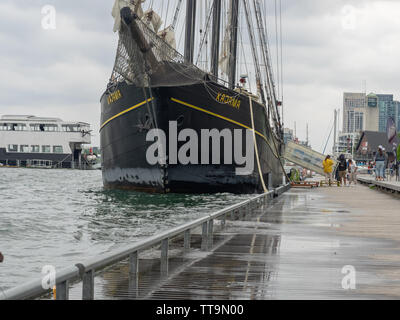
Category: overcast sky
[330,46]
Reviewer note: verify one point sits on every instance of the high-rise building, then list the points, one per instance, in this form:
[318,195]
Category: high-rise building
[354,108]
[369,112]
[363,113]
[372,113]
[288,135]
[397,120]
[347,142]
[386,108]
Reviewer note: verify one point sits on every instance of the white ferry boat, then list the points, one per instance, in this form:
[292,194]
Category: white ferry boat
[29,141]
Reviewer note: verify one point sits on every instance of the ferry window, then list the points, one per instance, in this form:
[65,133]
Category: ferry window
[70,128]
[19,127]
[12,148]
[3,127]
[35,127]
[24,148]
[46,149]
[50,127]
[35,149]
[57,149]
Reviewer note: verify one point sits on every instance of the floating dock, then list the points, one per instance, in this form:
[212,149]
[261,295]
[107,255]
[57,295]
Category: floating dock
[319,243]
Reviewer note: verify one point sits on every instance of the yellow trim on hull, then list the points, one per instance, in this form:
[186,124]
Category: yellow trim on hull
[224,118]
[126,111]
[193,107]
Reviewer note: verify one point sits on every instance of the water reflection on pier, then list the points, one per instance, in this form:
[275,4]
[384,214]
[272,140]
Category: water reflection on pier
[296,248]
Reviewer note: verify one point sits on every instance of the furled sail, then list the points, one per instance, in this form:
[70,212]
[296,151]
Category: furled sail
[225,50]
[119,4]
[152,19]
[168,35]
[145,58]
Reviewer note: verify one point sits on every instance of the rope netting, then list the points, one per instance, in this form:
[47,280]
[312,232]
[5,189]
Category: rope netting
[157,65]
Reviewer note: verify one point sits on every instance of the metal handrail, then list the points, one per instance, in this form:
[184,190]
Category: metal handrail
[85,271]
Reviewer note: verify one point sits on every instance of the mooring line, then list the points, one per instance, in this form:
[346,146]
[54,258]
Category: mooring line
[256,148]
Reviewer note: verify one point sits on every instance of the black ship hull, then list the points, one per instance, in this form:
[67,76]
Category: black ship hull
[129,112]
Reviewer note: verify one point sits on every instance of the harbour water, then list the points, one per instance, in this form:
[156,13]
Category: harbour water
[61,217]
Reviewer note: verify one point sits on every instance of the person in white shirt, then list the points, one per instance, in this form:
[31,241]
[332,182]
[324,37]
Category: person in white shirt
[352,172]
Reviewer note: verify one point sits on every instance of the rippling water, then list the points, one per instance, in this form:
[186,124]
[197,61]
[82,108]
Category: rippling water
[61,217]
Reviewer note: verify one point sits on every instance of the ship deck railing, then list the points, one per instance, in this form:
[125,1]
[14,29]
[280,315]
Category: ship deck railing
[85,272]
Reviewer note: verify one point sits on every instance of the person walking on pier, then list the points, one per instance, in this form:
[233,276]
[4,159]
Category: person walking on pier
[380,164]
[352,172]
[328,168]
[1,257]
[342,169]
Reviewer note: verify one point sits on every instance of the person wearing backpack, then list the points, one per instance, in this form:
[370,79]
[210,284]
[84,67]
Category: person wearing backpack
[342,168]
[380,164]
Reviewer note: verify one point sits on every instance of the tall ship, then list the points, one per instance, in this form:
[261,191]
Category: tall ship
[156,91]
[42,142]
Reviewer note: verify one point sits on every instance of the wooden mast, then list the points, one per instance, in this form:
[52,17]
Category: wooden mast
[190,30]
[215,38]
[233,43]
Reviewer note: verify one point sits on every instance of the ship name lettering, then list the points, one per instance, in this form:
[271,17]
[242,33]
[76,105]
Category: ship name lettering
[232,101]
[114,96]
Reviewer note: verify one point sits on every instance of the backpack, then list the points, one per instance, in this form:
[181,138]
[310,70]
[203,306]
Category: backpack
[342,165]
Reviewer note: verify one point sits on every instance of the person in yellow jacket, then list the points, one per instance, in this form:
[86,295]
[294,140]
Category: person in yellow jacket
[328,169]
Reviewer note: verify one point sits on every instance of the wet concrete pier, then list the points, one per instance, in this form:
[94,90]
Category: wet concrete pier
[391,185]
[321,243]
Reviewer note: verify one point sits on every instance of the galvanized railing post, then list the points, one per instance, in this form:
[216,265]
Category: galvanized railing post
[223,221]
[62,290]
[134,263]
[164,256]
[210,234]
[88,285]
[133,274]
[186,240]
[204,245]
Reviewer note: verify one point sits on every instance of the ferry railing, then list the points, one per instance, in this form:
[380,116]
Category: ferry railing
[85,272]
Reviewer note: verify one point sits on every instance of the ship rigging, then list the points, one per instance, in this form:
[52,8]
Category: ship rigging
[152,84]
